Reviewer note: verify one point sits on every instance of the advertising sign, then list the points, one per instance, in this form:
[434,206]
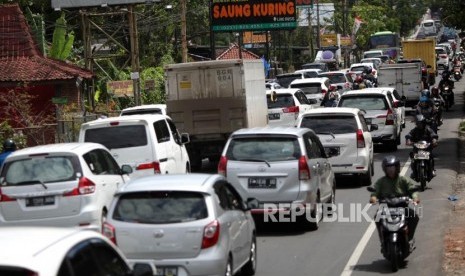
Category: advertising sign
[121,88]
[233,15]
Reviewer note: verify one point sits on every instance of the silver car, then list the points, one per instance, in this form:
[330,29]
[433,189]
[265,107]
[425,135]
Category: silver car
[277,166]
[194,224]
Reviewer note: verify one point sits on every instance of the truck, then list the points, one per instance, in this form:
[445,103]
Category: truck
[423,49]
[405,78]
[211,99]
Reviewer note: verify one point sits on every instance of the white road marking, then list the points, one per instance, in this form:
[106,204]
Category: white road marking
[353,260]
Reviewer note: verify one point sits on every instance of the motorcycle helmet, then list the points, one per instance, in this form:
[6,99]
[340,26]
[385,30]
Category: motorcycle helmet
[389,161]
[435,91]
[425,93]
[9,145]
[420,121]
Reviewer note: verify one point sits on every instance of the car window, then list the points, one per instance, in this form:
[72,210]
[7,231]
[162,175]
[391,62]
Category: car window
[335,78]
[80,260]
[396,95]
[41,169]
[101,162]
[328,123]
[308,87]
[110,262]
[228,199]
[285,80]
[301,97]
[311,74]
[364,102]
[161,131]
[174,131]
[390,97]
[264,148]
[317,148]
[280,100]
[156,207]
[117,137]
[141,112]
[363,122]
[312,147]
[358,68]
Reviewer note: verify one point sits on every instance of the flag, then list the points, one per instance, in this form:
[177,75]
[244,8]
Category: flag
[266,65]
[357,22]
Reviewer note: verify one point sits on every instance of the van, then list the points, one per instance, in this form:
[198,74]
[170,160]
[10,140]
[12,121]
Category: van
[150,144]
[429,27]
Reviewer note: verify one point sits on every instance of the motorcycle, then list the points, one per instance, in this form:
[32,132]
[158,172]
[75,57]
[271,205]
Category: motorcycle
[394,230]
[457,73]
[422,162]
[446,93]
[438,103]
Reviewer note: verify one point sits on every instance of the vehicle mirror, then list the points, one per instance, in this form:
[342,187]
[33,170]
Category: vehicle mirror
[142,269]
[185,138]
[371,189]
[373,127]
[252,203]
[126,169]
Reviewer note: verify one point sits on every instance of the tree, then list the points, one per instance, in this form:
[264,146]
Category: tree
[63,40]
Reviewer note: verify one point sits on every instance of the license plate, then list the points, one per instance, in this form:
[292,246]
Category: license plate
[421,155]
[40,201]
[274,116]
[166,271]
[262,183]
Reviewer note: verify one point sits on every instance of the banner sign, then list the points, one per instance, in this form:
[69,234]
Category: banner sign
[234,15]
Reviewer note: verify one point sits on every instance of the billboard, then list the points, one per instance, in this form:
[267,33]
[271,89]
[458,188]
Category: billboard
[58,4]
[233,15]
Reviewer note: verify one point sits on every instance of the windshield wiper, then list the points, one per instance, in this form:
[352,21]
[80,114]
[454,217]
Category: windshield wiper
[256,160]
[31,182]
[327,133]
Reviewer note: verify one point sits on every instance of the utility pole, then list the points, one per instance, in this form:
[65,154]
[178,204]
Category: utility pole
[310,28]
[135,66]
[183,31]
[212,34]
[317,24]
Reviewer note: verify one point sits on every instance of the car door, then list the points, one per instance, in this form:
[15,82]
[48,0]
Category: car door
[313,161]
[230,219]
[163,146]
[325,171]
[177,147]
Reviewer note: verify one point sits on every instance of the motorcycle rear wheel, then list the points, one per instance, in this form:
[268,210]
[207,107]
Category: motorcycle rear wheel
[422,178]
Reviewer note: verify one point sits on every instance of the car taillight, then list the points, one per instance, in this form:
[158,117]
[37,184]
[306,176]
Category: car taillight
[108,231]
[443,56]
[5,198]
[304,171]
[85,186]
[222,165]
[147,166]
[291,109]
[324,91]
[211,234]
[360,139]
[389,117]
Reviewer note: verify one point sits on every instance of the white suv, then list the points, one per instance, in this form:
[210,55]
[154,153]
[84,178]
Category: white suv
[314,88]
[345,136]
[285,105]
[380,110]
[64,185]
[278,165]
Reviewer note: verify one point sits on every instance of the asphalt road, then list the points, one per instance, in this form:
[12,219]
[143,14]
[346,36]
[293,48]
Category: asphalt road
[352,248]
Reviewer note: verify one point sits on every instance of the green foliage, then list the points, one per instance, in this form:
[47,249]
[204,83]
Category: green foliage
[62,40]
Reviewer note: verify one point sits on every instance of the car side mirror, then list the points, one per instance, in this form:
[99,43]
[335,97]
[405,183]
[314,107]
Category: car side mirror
[142,269]
[373,127]
[185,138]
[126,169]
[252,203]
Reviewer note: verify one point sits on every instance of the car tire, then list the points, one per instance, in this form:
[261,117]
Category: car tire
[398,140]
[392,145]
[316,215]
[251,266]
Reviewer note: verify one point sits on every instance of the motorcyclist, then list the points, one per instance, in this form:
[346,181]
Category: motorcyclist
[330,98]
[8,147]
[427,108]
[369,76]
[422,132]
[359,83]
[394,184]
[446,81]
[435,95]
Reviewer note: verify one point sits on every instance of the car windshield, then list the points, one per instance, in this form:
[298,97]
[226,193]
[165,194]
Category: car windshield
[308,88]
[358,68]
[118,136]
[364,102]
[280,100]
[160,207]
[257,149]
[141,112]
[335,78]
[41,169]
[328,123]
[311,74]
[285,80]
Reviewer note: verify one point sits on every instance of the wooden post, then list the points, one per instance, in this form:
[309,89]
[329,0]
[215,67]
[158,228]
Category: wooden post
[134,53]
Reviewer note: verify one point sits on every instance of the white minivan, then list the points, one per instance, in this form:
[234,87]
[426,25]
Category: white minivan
[429,27]
[150,144]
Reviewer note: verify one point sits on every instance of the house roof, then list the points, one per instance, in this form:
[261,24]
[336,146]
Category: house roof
[20,58]
[233,53]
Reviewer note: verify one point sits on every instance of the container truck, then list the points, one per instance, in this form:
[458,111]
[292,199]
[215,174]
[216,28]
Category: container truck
[423,49]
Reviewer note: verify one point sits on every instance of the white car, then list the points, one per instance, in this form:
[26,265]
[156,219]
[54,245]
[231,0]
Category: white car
[314,88]
[144,109]
[48,251]
[359,68]
[380,110]
[195,224]
[63,185]
[310,73]
[285,105]
[346,137]
[376,62]
[442,57]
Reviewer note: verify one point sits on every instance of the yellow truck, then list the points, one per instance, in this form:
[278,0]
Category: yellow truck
[423,49]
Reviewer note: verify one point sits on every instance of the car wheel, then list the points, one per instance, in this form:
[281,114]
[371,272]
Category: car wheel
[229,268]
[251,266]
[316,215]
